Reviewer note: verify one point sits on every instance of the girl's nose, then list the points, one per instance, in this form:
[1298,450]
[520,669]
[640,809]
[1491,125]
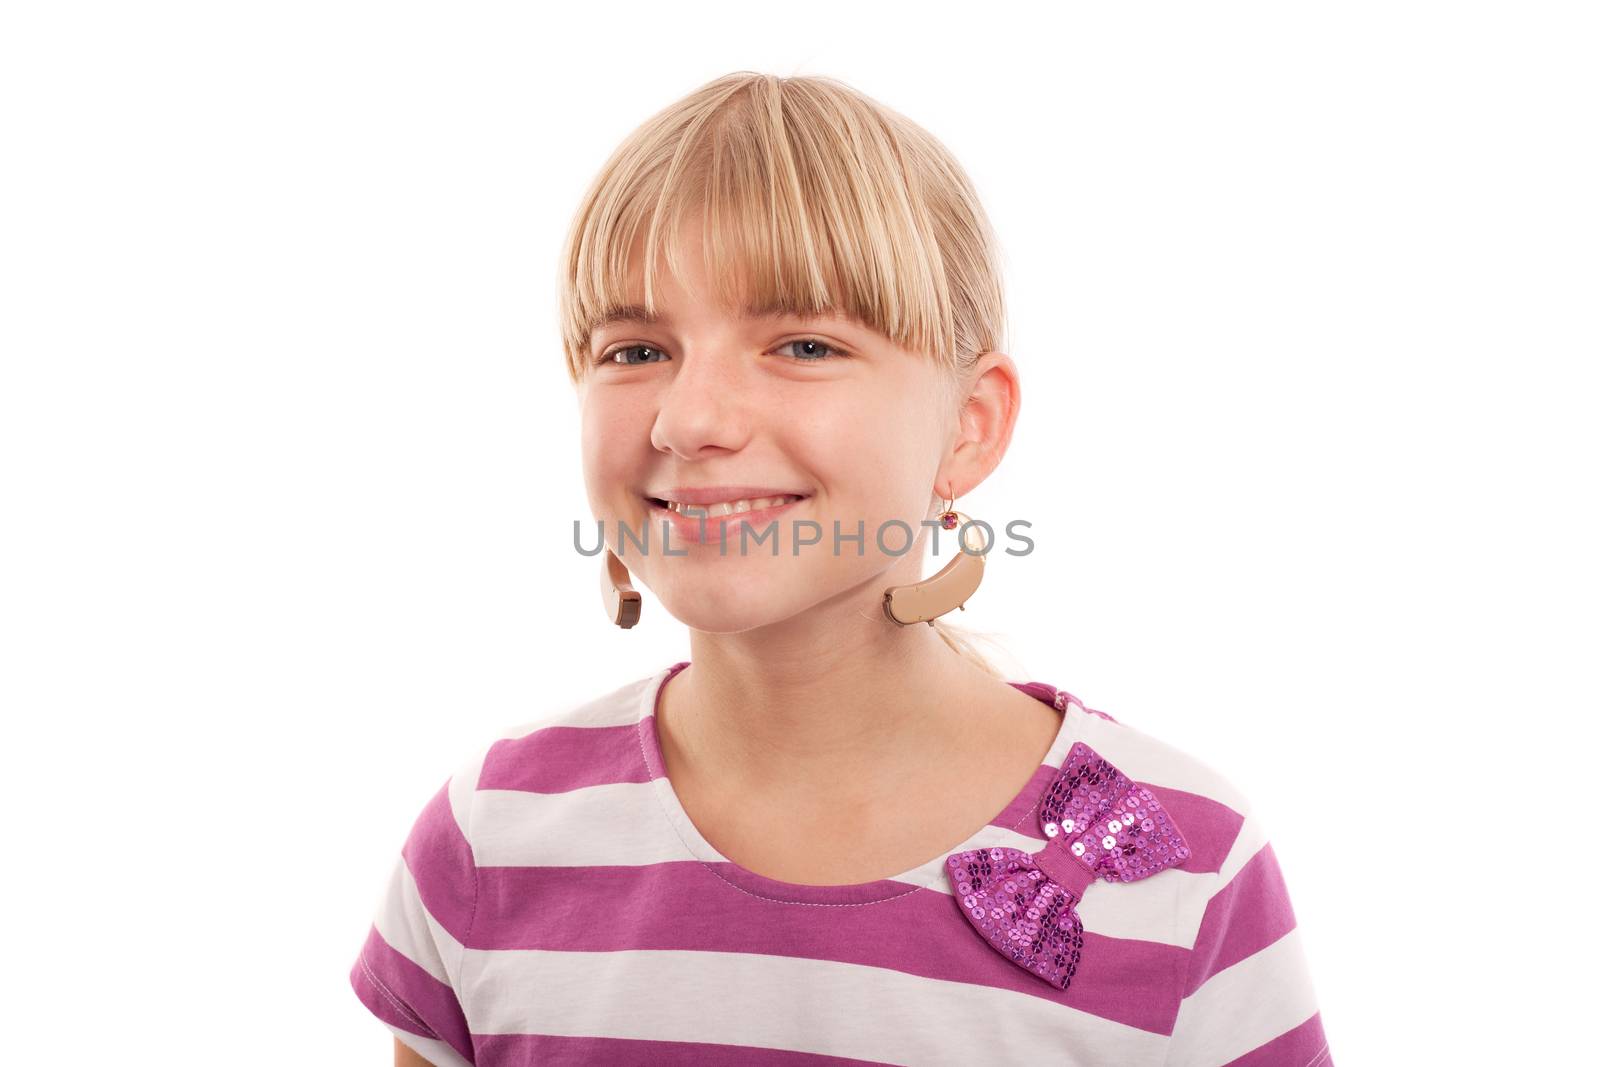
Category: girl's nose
[704,407]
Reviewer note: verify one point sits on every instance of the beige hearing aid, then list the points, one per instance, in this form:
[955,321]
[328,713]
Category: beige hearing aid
[617,592]
[926,600]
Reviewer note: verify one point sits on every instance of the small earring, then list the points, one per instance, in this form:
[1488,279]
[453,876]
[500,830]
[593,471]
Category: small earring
[621,599]
[926,600]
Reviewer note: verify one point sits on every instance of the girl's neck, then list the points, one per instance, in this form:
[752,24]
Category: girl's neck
[844,715]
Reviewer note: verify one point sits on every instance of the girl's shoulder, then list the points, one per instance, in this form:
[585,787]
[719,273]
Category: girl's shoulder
[579,729]
[535,763]
[1157,763]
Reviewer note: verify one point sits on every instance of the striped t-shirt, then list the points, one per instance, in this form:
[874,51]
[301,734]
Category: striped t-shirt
[553,904]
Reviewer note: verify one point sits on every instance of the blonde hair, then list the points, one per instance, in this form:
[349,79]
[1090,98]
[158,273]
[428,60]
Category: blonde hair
[817,199]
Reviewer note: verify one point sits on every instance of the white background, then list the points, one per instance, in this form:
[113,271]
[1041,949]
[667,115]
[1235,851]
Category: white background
[1304,305]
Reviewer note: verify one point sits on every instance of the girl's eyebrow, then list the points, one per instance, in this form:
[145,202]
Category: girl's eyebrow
[625,313]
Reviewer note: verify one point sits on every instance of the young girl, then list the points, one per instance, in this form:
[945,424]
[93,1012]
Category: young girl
[833,834]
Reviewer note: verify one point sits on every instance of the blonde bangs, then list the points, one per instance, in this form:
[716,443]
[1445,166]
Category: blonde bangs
[814,200]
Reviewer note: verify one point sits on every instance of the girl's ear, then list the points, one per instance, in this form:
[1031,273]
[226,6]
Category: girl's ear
[987,417]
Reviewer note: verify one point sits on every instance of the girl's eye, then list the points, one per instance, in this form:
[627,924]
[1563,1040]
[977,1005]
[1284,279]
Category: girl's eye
[611,356]
[812,344]
[811,348]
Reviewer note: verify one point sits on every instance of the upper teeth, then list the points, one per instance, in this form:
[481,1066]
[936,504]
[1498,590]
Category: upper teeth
[729,507]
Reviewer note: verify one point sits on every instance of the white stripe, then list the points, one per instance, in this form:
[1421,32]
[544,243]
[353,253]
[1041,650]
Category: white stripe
[623,706]
[817,1006]
[1153,762]
[1242,1007]
[406,924]
[463,784]
[620,707]
[615,823]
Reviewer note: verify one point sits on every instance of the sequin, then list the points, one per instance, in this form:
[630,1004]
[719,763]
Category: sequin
[1116,832]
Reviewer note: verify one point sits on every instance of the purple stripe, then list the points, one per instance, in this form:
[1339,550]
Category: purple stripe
[1209,827]
[1251,912]
[526,1050]
[404,995]
[441,863]
[1304,1046]
[1041,691]
[685,906]
[557,759]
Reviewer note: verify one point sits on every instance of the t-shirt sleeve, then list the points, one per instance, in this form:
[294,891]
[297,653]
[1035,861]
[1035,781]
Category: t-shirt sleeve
[1248,997]
[408,971]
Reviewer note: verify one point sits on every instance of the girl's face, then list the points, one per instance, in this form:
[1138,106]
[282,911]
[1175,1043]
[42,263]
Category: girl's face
[708,399]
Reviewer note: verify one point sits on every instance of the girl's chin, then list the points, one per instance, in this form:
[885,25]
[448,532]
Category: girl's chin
[745,609]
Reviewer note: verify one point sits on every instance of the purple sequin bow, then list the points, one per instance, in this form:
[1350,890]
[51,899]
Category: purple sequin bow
[1100,824]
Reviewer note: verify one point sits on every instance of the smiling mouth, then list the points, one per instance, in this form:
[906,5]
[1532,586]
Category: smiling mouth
[724,509]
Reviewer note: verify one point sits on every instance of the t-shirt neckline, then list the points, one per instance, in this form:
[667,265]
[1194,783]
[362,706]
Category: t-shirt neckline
[1013,823]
